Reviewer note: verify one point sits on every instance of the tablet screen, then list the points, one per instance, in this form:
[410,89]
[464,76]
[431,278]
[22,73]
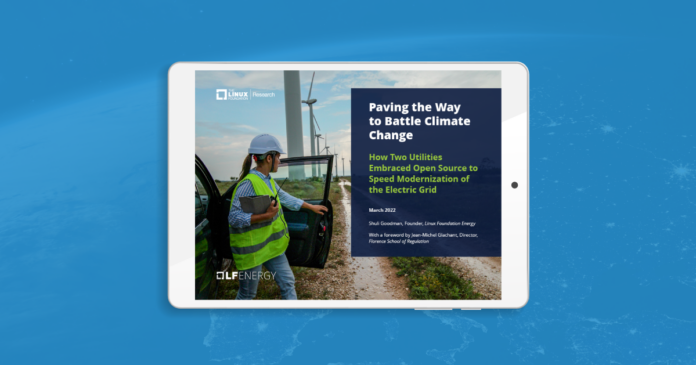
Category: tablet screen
[388,185]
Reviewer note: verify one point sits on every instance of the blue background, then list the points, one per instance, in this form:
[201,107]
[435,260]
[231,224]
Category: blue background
[83,147]
[477,200]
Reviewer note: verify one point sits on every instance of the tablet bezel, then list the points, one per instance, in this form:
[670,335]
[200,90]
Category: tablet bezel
[515,168]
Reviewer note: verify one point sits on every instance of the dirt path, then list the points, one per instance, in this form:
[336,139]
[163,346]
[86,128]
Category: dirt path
[346,277]
[373,277]
[335,281]
[484,273]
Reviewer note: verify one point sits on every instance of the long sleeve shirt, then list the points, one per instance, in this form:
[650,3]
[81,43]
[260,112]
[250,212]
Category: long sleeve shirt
[239,218]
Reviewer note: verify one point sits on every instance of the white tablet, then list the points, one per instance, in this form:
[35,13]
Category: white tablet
[391,185]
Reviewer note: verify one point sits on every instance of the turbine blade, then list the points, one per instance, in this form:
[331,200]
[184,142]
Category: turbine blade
[310,87]
[315,121]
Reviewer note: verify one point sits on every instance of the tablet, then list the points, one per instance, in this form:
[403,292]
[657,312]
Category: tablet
[393,185]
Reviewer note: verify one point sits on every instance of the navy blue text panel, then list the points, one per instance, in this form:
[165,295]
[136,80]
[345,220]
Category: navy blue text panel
[426,172]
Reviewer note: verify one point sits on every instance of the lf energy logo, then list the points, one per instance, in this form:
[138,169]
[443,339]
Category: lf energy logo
[224,275]
[253,275]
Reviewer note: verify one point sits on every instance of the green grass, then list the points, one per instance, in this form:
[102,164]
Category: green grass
[335,196]
[223,185]
[431,279]
[308,189]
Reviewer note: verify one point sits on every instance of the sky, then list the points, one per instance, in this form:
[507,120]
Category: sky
[224,128]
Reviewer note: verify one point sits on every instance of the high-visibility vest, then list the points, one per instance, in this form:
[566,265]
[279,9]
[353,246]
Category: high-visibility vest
[255,244]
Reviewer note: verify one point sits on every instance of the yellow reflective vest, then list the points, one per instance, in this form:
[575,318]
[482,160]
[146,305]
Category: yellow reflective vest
[255,244]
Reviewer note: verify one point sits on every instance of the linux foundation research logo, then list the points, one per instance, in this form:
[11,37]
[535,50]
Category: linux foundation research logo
[230,94]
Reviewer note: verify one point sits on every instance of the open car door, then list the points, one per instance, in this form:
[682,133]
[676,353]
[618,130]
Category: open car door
[212,233]
[309,179]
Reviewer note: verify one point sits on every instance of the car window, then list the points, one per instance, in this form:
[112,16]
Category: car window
[201,188]
[302,179]
[201,201]
[199,204]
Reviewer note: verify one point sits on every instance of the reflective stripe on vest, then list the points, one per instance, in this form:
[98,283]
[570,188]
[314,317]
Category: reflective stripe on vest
[256,225]
[253,245]
[257,247]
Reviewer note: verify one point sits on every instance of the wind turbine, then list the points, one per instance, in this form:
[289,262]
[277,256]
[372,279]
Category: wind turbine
[318,144]
[316,122]
[325,146]
[336,159]
[328,152]
[312,120]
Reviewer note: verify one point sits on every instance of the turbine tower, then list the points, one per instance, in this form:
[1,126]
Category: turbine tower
[318,144]
[336,154]
[293,120]
[326,148]
[312,120]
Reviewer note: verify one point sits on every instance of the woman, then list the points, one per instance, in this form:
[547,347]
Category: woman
[261,239]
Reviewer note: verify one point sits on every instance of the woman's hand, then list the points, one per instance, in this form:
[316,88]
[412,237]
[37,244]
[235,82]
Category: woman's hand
[319,209]
[270,213]
[272,210]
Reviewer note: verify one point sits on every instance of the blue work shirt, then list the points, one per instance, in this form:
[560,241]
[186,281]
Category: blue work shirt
[238,218]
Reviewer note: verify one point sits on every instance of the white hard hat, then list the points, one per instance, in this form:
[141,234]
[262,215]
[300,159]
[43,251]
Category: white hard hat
[264,143]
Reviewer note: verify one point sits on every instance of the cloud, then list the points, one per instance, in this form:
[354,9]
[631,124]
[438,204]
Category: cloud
[320,77]
[224,154]
[315,107]
[338,142]
[345,80]
[416,79]
[361,79]
[341,143]
[443,79]
[225,128]
[339,97]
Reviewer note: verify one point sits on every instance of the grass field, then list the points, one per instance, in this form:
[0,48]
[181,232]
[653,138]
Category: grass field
[223,185]
[430,279]
[310,189]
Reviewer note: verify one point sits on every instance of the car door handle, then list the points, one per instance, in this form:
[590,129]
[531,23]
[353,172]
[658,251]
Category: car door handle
[201,225]
[322,228]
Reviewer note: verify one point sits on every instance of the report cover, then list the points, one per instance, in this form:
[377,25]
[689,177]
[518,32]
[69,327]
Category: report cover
[383,185]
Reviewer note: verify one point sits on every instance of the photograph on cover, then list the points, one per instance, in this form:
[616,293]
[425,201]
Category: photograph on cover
[344,185]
